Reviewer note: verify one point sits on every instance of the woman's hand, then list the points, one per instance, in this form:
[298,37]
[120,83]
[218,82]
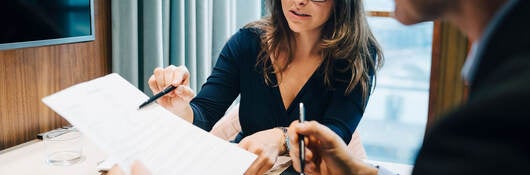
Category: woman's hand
[325,152]
[267,144]
[177,101]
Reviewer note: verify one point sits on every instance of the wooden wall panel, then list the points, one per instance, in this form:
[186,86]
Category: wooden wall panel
[29,74]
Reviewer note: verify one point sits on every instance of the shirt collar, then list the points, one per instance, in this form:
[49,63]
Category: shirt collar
[475,54]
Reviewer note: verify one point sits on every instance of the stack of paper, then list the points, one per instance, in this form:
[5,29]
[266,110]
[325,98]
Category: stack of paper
[106,111]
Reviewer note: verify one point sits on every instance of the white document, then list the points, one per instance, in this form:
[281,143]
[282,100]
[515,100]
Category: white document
[106,111]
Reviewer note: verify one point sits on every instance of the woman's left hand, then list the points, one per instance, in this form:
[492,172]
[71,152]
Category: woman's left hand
[267,144]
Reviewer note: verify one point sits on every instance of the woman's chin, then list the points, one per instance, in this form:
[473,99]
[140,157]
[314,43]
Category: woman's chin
[299,28]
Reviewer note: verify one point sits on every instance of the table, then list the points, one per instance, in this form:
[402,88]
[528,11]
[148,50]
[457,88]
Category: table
[29,158]
[402,169]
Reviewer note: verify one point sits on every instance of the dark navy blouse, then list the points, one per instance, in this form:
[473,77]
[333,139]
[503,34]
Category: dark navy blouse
[261,105]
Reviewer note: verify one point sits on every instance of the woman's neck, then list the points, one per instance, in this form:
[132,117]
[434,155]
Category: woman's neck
[306,44]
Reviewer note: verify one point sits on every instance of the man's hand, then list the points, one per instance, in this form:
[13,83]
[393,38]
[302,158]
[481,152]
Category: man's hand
[326,153]
[137,168]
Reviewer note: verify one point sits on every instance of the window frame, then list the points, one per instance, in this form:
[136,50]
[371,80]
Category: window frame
[447,88]
[449,51]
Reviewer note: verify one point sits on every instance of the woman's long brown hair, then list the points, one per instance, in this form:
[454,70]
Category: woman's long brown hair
[345,36]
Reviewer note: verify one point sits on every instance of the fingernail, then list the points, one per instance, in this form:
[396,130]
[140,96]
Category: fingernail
[179,90]
[301,125]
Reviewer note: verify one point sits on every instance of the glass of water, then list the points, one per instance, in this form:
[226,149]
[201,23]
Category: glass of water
[63,147]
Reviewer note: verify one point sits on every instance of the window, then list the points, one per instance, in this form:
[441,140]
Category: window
[394,122]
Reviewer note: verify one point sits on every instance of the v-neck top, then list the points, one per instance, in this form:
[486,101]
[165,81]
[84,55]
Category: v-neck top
[261,105]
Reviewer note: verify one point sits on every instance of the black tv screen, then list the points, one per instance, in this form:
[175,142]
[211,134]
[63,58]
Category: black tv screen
[30,23]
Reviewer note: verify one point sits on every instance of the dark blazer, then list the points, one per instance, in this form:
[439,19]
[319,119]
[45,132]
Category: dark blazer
[490,134]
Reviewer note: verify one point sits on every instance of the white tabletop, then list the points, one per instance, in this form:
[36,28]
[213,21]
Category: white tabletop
[29,158]
[402,169]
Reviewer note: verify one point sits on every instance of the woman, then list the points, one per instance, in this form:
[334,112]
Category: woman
[318,52]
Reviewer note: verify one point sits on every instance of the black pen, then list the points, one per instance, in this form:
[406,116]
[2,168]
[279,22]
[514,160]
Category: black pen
[301,141]
[157,96]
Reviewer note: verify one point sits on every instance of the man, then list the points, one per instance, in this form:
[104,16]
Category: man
[488,134]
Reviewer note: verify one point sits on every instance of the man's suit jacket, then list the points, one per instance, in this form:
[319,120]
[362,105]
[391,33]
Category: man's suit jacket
[490,134]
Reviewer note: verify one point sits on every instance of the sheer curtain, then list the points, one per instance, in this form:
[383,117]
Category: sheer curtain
[156,33]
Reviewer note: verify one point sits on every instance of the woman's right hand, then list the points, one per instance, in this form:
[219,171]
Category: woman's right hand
[177,101]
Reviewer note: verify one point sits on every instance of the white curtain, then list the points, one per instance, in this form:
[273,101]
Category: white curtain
[155,33]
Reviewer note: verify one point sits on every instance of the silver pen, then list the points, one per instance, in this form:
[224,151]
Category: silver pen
[301,141]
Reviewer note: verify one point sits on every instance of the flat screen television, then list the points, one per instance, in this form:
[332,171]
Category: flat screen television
[31,23]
